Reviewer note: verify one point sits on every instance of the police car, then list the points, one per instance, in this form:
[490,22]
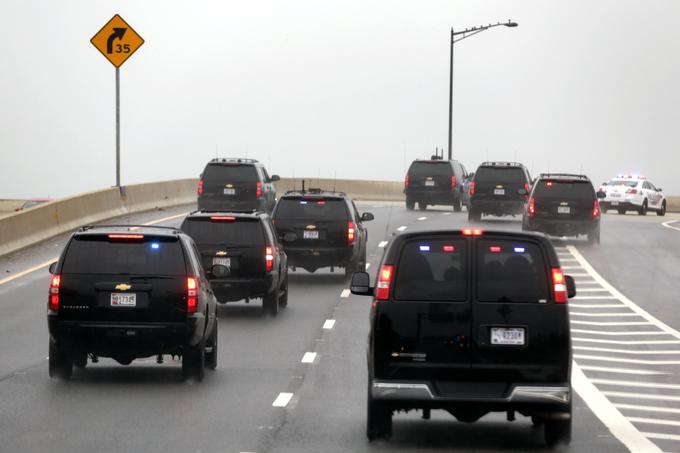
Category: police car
[633,193]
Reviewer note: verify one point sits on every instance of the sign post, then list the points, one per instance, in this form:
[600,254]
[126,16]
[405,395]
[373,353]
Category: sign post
[117,41]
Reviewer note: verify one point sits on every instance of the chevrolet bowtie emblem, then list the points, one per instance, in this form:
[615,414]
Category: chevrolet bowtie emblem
[229,185]
[221,253]
[123,287]
[311,227]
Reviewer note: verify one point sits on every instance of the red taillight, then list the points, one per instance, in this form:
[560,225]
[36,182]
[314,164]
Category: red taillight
[406,181]
[351,232]
[453,182]
[596,209]
[449,248]
[631,191]
[559,286]
[269,258]
[531,208]
[258,189]
[192,294]
[472,188]
[200,187]
[472,232]
[219,218]
[382,289]
[54,293]
[124,237]
[495,249]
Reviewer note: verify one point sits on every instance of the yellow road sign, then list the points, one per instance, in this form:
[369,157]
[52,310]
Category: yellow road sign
[117,41]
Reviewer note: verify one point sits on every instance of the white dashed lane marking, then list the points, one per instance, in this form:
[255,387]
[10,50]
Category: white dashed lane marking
[422,218]
[309,357]
[345,293]
[282,400]
[329,324]
[402,228]
[382,244]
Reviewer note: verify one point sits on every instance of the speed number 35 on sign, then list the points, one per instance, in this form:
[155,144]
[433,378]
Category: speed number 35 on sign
[117,41]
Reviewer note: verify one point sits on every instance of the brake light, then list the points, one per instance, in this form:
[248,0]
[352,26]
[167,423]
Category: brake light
[382,289]
[406,181]
[126,236]
[631,191]
[351,232]
[453,182]
[321,202]
[596,209]
[495,249]
[221,217]
[269,258]
[192,295]
[200,187]
[559,286]
[472,188]
[258,189]
[472,232]
[531,208]
[54,293]
[449,248]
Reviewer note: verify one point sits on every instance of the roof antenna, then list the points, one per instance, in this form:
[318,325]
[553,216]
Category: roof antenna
[335,178]
[303,185]
[293,180]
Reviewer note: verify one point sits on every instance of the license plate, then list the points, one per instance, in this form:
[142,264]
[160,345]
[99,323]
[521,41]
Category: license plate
[507,335]
[615,203]
[563,210]
[429,183]
[499,191]
[222,261]
[310,234]
[615,195]
[123,299]
[230,191]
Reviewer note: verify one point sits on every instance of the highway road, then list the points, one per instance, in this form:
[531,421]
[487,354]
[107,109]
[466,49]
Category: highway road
[297,383]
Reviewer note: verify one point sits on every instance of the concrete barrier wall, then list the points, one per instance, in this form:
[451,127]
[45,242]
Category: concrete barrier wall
[357,189]
[673,204]
[10,205]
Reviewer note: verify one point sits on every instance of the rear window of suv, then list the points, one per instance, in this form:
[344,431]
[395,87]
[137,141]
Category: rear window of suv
[565,190]
[237,232]
[424,169]
[98,255]
[500,175]
[510,271]
[317,209]
[221,173]
[432,270]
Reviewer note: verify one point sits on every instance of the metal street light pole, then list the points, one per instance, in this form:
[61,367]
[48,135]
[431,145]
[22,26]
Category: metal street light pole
[465,34]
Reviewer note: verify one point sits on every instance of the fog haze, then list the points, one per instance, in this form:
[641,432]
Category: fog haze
[356,89]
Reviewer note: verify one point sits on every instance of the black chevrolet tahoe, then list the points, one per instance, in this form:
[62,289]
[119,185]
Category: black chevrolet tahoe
[435,182]
[498,188]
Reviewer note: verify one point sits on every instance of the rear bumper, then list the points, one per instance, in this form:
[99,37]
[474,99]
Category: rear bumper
[619,204]
[233,289]
[497,206]
[561,227]
[432,196]
[225,205]
[316,257]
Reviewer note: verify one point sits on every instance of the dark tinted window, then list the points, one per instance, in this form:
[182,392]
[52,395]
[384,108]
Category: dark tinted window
[221,173]
[424,169]
[312,209]
[500,175]
[571,190]
[150,256]
[510,271]
[432,270]
[238,232]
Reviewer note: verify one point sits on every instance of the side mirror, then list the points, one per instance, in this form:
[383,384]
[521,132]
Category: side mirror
[602,194]
[361,284]
[367,217]
[289,237]
[571,286]
[220,271]
[604,183]
[275,178]
[53,268]
[659,189]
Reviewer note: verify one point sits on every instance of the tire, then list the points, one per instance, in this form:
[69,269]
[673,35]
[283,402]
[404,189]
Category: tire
[283,296]
[537,422]
[662,212]
[378,420]
[60,363]
[270,303]
[193,361]
[474,215]
[557,432]
[80,360]
[621,211]
[211,356]
[457,206]
[643,208]
[422,206]
[410,204]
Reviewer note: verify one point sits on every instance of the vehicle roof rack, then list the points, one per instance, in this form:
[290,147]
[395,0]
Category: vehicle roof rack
[232,160]
[314,191]
[501,164]
[227,211]
[564,175]
[129,227]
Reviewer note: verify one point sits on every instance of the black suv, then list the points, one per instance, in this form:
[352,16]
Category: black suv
[470,322]
[321,228]
[498,188]
[130,292]
[564,205]
[236,184]
[247,245]
[433,182]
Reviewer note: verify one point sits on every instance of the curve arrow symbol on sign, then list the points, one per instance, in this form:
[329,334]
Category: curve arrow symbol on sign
[117,33]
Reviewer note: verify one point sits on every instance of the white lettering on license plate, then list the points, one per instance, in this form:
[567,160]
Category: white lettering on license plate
[123,299]
[507,335]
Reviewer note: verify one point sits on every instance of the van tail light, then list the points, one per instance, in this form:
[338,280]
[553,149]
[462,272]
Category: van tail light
[192,295]
[406,181]
[382,289]
[472,232]
[53,302]
[258,189]
[200,187]
[559,286]
[453,182]
[531,208]
[596,209]
[472,188]
[269,258]
[351,232]
[631,191]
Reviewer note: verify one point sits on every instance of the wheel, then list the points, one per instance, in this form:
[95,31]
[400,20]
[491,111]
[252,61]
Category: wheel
[211,350]
[594,237]
[643,208]
[457,206]
[536,421]
[410,204]
[193,361]
[662,212]
[621,211]
[422,206]
[474,215]
[283,296]
[60,363]
[270,303]
[80,360]
[557,432]
[378,420]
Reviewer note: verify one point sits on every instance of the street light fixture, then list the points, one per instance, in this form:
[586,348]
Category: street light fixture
[462,35]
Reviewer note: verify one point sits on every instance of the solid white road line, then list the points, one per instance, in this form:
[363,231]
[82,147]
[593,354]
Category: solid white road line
[624,351]
[622,370]
[626,360]
[661,436]
[618,334]
[651,385]
[603,315]
[345,293]
[422,218]
[611,324]
[402,228]
[382,244]
[282,400]
[612,418]
[309,357]
[624,342]
[329,324]
[635,407]
[667,224]
[654,421]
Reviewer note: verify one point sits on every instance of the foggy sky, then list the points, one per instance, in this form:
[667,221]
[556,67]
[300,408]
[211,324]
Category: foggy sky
[353,88]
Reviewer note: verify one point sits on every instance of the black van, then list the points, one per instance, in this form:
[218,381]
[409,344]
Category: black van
[470,322]
[435,182]
[229,184]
